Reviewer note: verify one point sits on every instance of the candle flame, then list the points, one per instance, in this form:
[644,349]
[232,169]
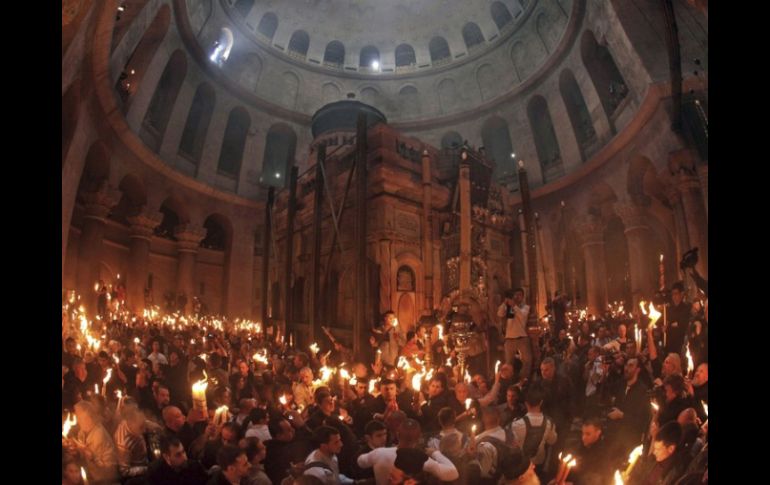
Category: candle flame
[83,474]
[690,365]
[314,347]
[618,478]
[449,361]
[107,377]
[705,408]
[96,388]
[654,314]
[641,305]
[345,375]
[372,383]
[353,381]
[655,406]
[468,403]
[68,424]
[567,458]
[572,463]
[201,385]
[417,381]
[497,367]
[473,429]
[440,332]
[282,399]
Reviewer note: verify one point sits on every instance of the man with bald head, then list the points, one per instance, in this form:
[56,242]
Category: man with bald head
[193,437]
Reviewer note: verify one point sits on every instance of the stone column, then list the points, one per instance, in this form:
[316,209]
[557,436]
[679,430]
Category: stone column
[703,178]
[639,262]
[188,238]
[142,226]
[591,234]
[695,217]
[97,207]
[675,201]
[386,297]
[239,283]
[427,240]
[465,226]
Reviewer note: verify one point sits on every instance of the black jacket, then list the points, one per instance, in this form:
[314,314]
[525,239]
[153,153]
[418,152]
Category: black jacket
[192,473]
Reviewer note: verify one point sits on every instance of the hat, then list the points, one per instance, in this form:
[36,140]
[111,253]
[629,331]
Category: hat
[515,464]
[410,460]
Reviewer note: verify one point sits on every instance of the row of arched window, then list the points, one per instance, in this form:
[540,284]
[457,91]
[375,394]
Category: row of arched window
[334,54]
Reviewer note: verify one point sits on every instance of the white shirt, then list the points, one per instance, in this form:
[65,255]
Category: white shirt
[158,358]
[435,441]
[383,459]
[515,327]
[486,453]
[259,431]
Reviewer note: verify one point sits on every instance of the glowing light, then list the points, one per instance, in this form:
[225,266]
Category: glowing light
[282,399]
[68,424]
[705,408]
[314,347]
[376,65]
[654,314]
[497,367]
[372,384]
[468,403]
[690,365]
[655,406]
[417,381]
[618,478]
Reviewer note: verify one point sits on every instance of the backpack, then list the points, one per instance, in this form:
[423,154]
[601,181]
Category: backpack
[504,452]
[534,437]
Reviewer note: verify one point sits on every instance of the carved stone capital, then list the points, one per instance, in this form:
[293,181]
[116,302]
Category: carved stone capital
[143,224]
[632,215]
[686,182]
[99,204]
[189,237]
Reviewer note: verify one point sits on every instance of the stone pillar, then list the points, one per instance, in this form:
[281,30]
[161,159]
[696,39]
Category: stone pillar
[675,201]
[695,217]
[591,234]
[465,226]
[524,262]
[386,299]
[142,226]
[97,207]
[188,238]
[703,178]
[239,283]
[427,239]
[639,262]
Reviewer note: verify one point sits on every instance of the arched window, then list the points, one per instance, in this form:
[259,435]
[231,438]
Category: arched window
[545,139]
[405,56]
[577,111]
[197,123]
[268,25]
[500,15]
[299,44]
[280,147]
[496,137]
[162,103]
[369,56]
[439,49]
[243,7]
[168,224]
[604,73]
[334,54]
[409,101]
[472,35]
[215,235]
[233,143]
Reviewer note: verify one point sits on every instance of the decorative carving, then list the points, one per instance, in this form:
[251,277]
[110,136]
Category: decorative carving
[98,204]
[632,216]
[144,223]
[590,230]
[189,237]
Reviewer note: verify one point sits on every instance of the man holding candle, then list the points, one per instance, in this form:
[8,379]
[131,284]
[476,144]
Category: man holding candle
[95,445]
[514,313]
[630,417]
[666,464]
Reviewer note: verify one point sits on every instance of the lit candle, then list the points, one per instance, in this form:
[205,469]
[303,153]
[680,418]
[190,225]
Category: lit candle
[468,403]
[705,408]
[68,424]
[618,478]
[221,415]
[690,365]
[199,394]
[497,367]
[473,431]
[83,474]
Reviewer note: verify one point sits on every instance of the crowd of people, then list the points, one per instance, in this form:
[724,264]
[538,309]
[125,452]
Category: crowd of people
[275,413]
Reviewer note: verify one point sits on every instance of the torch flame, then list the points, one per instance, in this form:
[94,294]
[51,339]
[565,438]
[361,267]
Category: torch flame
[618,478]
[654,314]
[201,385]
[417,381]
[68,424]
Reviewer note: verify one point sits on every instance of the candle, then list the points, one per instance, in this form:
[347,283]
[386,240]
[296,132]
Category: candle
[221,415]
[655,406]
[473,431]
[497,367]
[83,474]
[199,394]
[379,356]
[618,478]
[705,408]
[468,403]
[417,381]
